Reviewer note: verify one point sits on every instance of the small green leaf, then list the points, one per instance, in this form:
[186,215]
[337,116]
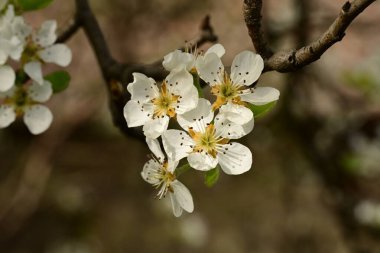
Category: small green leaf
[212,176]
[59,80]
[261,110]
[31,5]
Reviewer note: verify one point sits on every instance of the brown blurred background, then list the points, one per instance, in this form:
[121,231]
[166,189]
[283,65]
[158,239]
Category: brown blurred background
[314,185]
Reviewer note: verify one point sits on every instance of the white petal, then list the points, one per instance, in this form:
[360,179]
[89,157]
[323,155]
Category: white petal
[7,115]
[3,54]
[238,114]
[202,161]
[177,209]
[261,96]
[178,60]
[38,118]
[235,158]
[59,54]
[172,165]
[181,83]
[231,130]
[197,118]
[218,49]
[33,69]
[177,144]
[9,93]
[142,88]
[20,28]
[46,36]
[155,147]
[149,171]
[183,196]
[155,127]
[210,68]
[136,114]
[40,93]
[7,78]
[246,68]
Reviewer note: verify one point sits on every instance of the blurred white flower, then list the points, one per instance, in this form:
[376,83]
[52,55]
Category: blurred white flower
[159,171]
[25,101]
[40,48]
[245,70]
[207,144]
[153,107]
[179,59]
[368,213]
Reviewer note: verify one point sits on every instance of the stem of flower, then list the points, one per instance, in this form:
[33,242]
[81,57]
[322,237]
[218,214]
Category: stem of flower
[197,84]
[184,168]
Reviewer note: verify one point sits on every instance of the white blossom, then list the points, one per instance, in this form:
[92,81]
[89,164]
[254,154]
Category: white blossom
[233,89]
[41,49]
[207,144]
[159,171]
[152,106]
[25,101]
[179,59]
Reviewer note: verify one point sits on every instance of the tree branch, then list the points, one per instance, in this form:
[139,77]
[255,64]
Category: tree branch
[252,17]
[70,30]
[295,59]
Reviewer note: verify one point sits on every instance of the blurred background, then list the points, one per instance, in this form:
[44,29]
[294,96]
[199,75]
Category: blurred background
[314,184]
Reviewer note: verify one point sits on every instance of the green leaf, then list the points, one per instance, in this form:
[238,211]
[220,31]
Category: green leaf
[212,176]
[261,110]
[59,80]
[31,5]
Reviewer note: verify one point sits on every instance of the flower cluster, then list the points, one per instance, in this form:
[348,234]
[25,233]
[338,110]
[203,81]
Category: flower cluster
[208,129]
[23,52]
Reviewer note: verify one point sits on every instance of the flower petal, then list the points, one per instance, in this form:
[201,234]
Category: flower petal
[7,78]
[235,158]
[197,118]
[178,60]
[218,49]
[33,69]
[155,147]
[177,144]
[177,209]
[136,114]
[40,93]
[59,54]
[181,83]
[183,196]
[202,161]
[261,96]
[210,68]
[246,68]
[231,130]
[7,115]
[142,88]
[21,29]
[38,118]
[45,35]
[155,127]
[236,113]
[149,171]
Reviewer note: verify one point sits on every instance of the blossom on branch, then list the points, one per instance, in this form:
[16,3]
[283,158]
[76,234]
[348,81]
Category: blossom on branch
[152,106]
[25,101]
[233,89]
[159,171]
[207,144]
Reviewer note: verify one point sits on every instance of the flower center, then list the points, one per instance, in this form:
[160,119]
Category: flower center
[225,92]
[207,141]
[165,178]
[165,103]
[19,100]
